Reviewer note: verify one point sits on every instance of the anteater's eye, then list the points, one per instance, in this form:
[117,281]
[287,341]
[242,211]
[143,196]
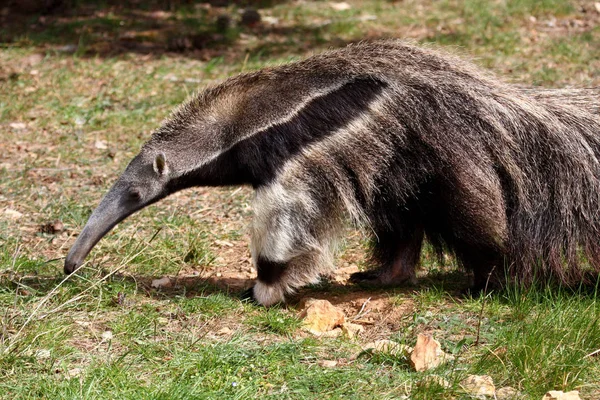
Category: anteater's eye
[135,194]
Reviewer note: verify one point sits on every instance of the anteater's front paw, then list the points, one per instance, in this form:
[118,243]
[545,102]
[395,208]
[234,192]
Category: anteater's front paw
[264,295]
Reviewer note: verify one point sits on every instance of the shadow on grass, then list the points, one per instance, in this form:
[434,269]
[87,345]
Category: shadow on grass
[194,29]
[455,283]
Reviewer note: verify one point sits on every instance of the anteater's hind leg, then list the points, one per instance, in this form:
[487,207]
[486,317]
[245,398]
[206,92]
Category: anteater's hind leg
[397,254]
[486,263]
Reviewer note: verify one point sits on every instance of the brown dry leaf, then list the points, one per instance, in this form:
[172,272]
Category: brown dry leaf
[428,354]
[478,385]
[321,316]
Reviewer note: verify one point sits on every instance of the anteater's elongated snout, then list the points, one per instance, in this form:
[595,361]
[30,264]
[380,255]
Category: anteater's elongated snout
[117,205]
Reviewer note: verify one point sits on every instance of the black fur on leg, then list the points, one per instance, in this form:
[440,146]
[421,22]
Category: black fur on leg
[397,254]
[247,296]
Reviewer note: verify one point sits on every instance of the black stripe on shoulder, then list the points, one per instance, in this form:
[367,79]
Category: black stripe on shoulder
[264,153]
[258,159]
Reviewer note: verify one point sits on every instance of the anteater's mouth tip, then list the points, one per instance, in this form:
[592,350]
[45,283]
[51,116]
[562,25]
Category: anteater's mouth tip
[71,266]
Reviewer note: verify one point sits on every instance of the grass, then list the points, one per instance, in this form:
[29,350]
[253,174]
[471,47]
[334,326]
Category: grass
[70,120]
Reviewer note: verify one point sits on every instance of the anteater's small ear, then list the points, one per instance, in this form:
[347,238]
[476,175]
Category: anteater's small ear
[160,164]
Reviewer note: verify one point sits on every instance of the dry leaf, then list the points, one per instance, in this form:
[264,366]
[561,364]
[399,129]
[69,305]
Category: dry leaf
[428,354]
[321,316]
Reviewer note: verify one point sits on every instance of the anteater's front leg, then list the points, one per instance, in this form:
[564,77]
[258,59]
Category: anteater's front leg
[275,279]
[292,243]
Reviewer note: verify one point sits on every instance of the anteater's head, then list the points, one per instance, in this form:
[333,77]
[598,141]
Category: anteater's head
[178,155]
[145,181]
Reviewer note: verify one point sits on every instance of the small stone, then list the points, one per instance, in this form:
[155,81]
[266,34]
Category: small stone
[597,6]
[42,354]
[73,373]
[12,214]
[478,385]
[321,316]
[560,395]
[162,282]
[328,363]
[107,335]
[18,126]
[341,6]
[428,354]
[507,393]
[101,145]
[352,330]
[386,346]
[268,20]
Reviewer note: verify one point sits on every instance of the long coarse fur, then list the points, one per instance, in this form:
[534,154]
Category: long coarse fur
[409,143]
